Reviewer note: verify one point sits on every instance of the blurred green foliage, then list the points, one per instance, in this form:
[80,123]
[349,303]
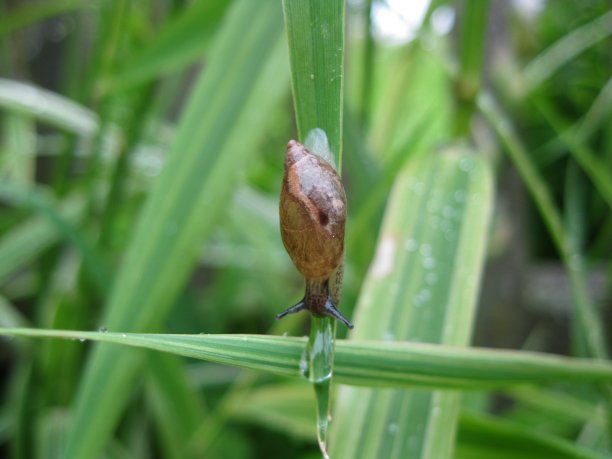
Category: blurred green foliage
[141,152]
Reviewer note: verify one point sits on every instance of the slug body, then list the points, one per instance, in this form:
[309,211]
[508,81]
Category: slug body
[312,221]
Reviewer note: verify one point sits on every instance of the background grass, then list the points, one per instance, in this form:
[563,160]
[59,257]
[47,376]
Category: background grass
[141,156]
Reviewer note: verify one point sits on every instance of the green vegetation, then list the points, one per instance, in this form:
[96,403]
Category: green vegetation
[141,153]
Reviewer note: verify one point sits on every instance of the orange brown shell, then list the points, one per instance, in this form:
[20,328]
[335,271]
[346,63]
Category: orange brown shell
[312,213]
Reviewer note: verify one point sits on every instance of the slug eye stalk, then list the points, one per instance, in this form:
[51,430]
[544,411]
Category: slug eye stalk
[312,221]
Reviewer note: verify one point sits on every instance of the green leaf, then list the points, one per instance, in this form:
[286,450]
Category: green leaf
[422,286]
[176,407]
[566,49]
[47,106]
[316,52]
[38,200]
[245,77]
[585,311]
[31,13]
[493,435]
[287,408]
[398,364]
[26,241]
[182,41]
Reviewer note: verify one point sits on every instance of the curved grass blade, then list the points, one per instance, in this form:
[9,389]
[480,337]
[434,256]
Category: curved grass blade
[47,106]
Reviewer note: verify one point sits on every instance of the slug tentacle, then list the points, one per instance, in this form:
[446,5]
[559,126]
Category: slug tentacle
[293,309]
[331,311]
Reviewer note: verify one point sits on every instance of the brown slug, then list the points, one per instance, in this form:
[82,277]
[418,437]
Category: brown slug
[312,219]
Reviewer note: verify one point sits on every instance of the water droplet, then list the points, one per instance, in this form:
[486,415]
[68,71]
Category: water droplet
[393,428]
[466,164]
[304,364]
[385,255]
[81,340]
[417,187]
[425,250]
[123,335]
[103,329]
[389,336]
[429,262]
[312,76]
[411,245]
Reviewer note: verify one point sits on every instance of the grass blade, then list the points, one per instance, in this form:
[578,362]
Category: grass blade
[183,40]
[316,51]
[361,362]
[585,310]
[47,106]
[422,286]
[245,77]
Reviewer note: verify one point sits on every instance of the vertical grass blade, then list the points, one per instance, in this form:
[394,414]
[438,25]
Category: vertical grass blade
[422,286]
[315,31]
[585,310]
[245,77]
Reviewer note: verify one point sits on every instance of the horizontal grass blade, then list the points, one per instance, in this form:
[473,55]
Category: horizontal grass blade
[361,363]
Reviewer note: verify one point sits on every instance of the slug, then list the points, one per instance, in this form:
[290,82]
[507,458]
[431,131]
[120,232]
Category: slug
[312,219]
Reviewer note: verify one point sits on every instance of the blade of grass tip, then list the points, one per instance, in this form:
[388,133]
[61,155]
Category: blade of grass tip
[315,33]
[244,78]
[398,364]
[422,286]
[585,311]
[47,106]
